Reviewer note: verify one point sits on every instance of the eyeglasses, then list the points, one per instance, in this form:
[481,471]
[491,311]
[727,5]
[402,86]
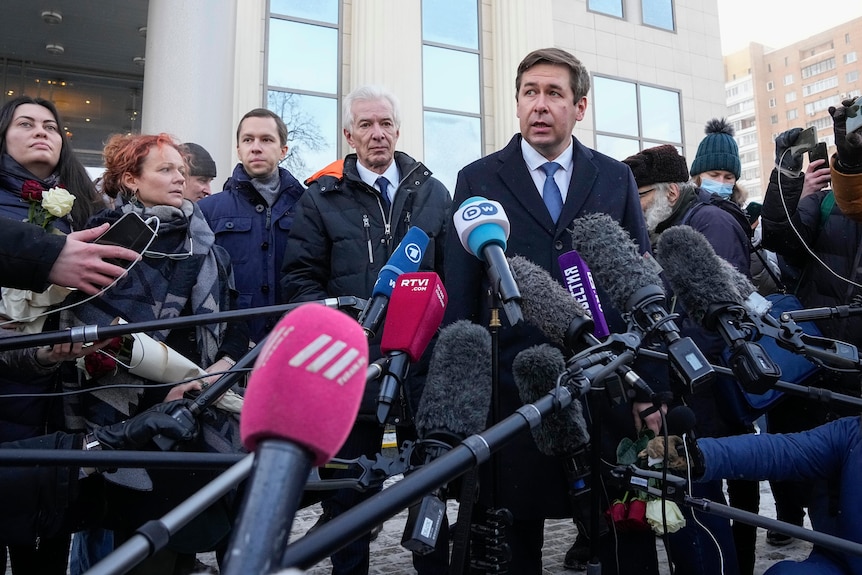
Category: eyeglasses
[159,255]
[645,192]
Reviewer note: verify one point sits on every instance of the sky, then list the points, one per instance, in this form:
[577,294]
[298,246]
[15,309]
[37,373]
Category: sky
[777,23]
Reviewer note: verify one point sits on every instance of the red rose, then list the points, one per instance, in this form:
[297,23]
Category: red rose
[636,518]
[32,191]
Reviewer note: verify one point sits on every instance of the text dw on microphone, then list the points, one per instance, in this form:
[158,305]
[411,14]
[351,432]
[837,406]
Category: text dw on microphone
[322,351]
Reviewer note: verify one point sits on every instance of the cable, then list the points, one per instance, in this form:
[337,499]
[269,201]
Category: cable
[119,386]
[799,235]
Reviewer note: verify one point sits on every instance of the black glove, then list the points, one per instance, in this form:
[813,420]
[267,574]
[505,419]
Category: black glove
[849,145]
[787,162]
[139,430]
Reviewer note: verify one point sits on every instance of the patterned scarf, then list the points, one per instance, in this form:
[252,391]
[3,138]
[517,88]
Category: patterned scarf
[155,288]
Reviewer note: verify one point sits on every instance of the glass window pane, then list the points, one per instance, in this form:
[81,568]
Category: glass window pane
[460,69]
[617,148]
[658,13]
[660,114]
[322,10]
[312,130]
[615,105]
[454,22]
[293,65]
[451,142]
[612,7]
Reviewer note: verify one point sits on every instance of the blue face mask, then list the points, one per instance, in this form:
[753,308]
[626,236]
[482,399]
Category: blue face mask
[713,187]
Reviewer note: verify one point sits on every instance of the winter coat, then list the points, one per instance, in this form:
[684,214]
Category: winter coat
[848,192]
[838,243]
[828,452]
[342,234]
[255,236]
[532,484]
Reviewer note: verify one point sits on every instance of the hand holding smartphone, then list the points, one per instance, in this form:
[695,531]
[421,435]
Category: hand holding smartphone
[130,231]
[819,153]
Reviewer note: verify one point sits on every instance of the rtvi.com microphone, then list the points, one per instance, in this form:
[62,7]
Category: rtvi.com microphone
[699,278]
[636,290]
[579,283]
[415,312]
[405,259]
[302,399]
[563,434]
[454,405]
[483,229]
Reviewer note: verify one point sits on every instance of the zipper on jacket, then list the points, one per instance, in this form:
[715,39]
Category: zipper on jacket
[268,216]
[367,225]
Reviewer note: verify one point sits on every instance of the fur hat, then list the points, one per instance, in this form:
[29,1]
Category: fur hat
[718,150]
[200,161]
[658,165]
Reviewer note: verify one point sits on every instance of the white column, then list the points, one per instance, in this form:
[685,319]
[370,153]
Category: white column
[189,75]
[386,49]
[518,29]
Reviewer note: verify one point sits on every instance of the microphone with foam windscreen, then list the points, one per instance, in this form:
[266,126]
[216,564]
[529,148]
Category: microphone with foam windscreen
[701,281]
[454,405]
[548,306]
[302,399]
[579,283]
[483,229]
[405,259]
[563,434]
[636,291]
[415,311]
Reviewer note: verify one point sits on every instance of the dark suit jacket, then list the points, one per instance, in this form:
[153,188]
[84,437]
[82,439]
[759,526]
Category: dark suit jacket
[530,484]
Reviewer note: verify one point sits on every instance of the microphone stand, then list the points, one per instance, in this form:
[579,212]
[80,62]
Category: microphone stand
[91,333]
[814,393]
[637,478]
[154,535]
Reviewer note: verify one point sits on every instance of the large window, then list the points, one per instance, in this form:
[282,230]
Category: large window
[818,68]
[451,57]
[630,116]
[303,80]
[658,13]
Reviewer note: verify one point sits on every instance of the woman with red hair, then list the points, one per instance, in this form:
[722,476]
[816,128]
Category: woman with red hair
[183,272]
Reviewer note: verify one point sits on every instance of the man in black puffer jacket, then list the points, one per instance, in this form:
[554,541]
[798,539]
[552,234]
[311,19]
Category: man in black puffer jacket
[836,241]
[347,224]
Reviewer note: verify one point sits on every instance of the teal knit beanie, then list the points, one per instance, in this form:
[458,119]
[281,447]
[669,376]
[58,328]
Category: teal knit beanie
[718,150]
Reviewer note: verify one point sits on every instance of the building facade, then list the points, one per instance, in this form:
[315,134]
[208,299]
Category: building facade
[655,65]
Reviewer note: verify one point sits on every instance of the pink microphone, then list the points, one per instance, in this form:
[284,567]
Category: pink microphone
[302,398]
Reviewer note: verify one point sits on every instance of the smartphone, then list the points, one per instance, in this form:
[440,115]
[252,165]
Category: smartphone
[805,141]
[130,231]
[819,153]
[854,116]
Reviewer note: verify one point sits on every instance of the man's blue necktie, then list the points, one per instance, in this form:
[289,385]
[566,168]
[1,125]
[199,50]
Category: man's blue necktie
[383,184]
[551,191]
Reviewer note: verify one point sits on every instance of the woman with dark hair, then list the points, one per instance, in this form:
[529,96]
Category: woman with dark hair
[35,157]
[183,272]
[33,147]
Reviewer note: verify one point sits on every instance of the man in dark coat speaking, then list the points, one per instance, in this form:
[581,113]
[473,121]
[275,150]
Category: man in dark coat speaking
[541,200]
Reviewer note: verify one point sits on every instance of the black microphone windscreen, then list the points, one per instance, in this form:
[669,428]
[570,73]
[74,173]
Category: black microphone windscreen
[457,394]
[694,271]
[544,302]
[741,283]
[680,419]
[613,257]
[535,371]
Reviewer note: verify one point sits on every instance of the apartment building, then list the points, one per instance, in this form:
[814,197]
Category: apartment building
[772,90]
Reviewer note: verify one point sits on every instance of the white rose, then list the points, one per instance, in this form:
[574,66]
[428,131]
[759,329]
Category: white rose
[58,202]
[675,520]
